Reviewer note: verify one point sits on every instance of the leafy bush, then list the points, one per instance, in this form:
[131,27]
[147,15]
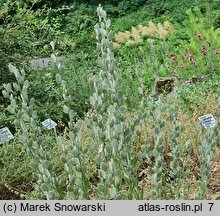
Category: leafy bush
[25,33]
[199,57]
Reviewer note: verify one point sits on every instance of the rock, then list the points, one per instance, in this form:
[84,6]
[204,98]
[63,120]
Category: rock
[163,85]
[42,63]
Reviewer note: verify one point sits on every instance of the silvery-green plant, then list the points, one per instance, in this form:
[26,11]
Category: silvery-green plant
[179,167]
[209,140]
[113,134]
[74,155]
[167,156]
[31,136]
[158,170]
[76,165]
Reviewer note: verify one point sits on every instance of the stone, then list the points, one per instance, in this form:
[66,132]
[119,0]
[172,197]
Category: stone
[163,85]
[42,63]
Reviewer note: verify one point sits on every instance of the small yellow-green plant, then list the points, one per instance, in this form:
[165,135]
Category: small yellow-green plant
[137,35]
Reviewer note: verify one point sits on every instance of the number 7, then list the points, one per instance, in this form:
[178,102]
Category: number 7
[211,204]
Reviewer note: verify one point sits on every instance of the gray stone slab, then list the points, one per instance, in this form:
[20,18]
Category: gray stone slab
[42,63]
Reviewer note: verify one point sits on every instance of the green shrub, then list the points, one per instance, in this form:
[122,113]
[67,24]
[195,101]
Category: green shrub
[25,33]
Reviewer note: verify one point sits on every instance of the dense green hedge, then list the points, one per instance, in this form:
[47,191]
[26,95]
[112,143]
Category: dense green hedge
[28,26]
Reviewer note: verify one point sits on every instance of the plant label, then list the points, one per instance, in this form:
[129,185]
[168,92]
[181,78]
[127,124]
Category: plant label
[5,135]
[207,121]
[49,124]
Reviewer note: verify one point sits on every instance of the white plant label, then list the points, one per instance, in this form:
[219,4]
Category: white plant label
[5,135]
[49,124]
[207,121]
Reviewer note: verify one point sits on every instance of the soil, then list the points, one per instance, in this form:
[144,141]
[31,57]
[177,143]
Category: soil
[15,191]
[214,183]
[6,194]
